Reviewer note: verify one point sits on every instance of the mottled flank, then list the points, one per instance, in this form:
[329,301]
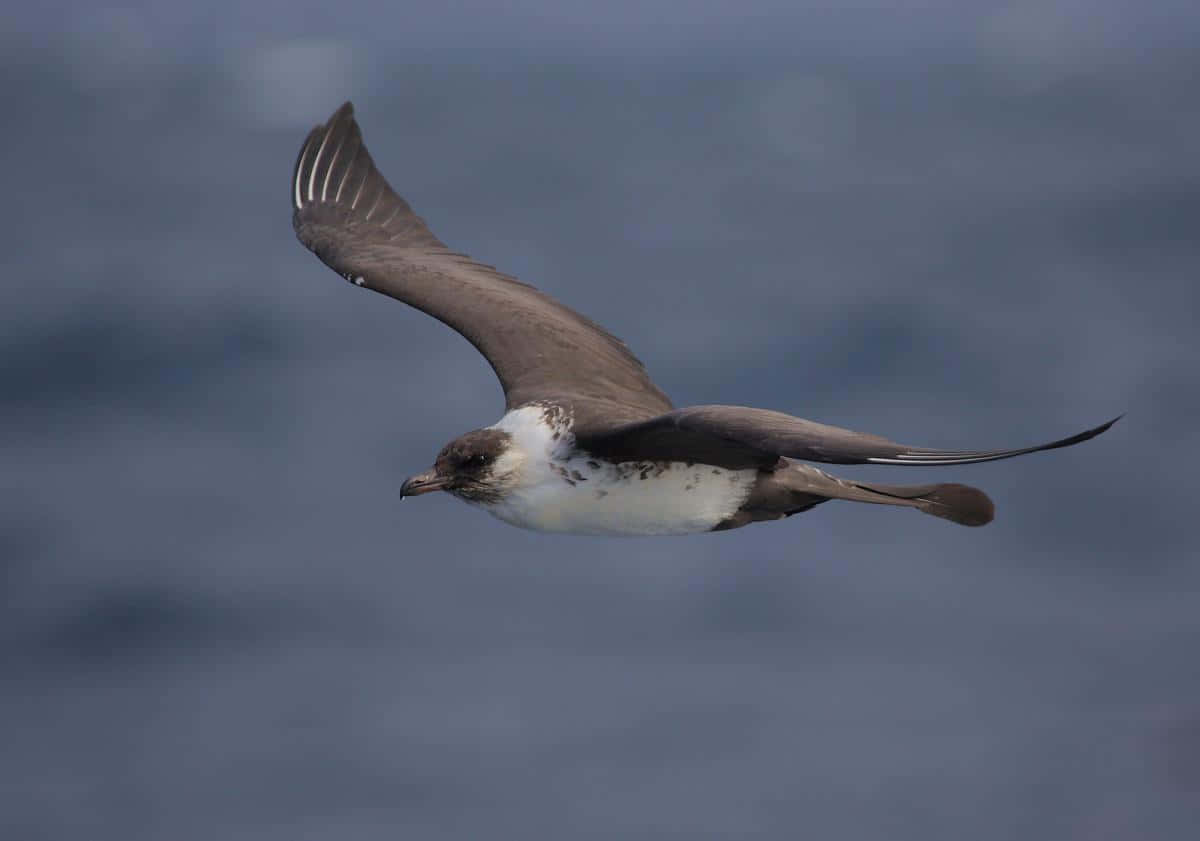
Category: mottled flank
[550,485]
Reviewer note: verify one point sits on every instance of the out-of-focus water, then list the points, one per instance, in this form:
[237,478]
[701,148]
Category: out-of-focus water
[219,622]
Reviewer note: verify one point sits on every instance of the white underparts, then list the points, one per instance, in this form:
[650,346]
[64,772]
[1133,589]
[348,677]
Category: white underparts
[550,486]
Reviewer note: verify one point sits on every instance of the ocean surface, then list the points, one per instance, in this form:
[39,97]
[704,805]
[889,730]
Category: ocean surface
[220,623]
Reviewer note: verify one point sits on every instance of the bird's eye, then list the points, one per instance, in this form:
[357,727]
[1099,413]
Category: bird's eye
[475,460]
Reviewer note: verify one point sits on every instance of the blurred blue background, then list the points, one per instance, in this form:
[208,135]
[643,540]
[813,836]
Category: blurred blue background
[955,224]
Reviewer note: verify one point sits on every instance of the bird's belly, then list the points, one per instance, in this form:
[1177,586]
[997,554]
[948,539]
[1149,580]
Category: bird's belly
[583,496]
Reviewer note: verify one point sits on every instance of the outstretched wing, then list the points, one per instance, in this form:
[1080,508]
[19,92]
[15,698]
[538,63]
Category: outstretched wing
[348,215]
[736,438]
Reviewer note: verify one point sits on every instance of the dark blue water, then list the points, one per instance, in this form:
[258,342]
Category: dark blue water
[219,622]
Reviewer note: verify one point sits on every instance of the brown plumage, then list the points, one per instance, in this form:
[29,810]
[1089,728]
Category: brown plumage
[547,355]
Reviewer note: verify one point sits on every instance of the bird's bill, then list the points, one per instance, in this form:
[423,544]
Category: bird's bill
[423,483]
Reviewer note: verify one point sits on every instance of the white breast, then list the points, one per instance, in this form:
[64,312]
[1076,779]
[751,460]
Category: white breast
[557,489]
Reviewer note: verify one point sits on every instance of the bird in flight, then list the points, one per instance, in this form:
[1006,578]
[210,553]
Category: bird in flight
[588,444]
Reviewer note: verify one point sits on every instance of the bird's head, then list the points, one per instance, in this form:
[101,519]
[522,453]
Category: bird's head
[473,467]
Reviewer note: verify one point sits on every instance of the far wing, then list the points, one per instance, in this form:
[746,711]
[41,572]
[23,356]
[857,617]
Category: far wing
[735,437]
[349,216]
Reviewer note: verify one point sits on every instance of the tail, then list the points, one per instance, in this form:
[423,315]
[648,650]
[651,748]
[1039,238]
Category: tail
[957,503]
[960,504]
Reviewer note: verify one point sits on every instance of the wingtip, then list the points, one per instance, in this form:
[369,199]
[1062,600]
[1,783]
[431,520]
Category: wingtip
[1098,430]
[335,183]
[316,162]
[344,111]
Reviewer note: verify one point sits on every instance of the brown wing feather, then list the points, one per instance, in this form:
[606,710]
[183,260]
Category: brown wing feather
[735,437]
[348,215]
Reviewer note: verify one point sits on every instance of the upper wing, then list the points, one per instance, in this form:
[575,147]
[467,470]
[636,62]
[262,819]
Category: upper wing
[736,438]
[348,215]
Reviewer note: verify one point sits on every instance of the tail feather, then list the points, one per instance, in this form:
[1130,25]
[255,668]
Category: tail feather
[960,504]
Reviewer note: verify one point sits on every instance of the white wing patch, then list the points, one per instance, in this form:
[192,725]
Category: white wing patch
[312,176]
[296,196]
[329,171]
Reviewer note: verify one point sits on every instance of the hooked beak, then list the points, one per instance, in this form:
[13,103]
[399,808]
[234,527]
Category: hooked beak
[423,483]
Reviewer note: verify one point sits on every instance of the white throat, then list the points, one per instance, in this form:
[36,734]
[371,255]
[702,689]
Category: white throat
[554,487]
